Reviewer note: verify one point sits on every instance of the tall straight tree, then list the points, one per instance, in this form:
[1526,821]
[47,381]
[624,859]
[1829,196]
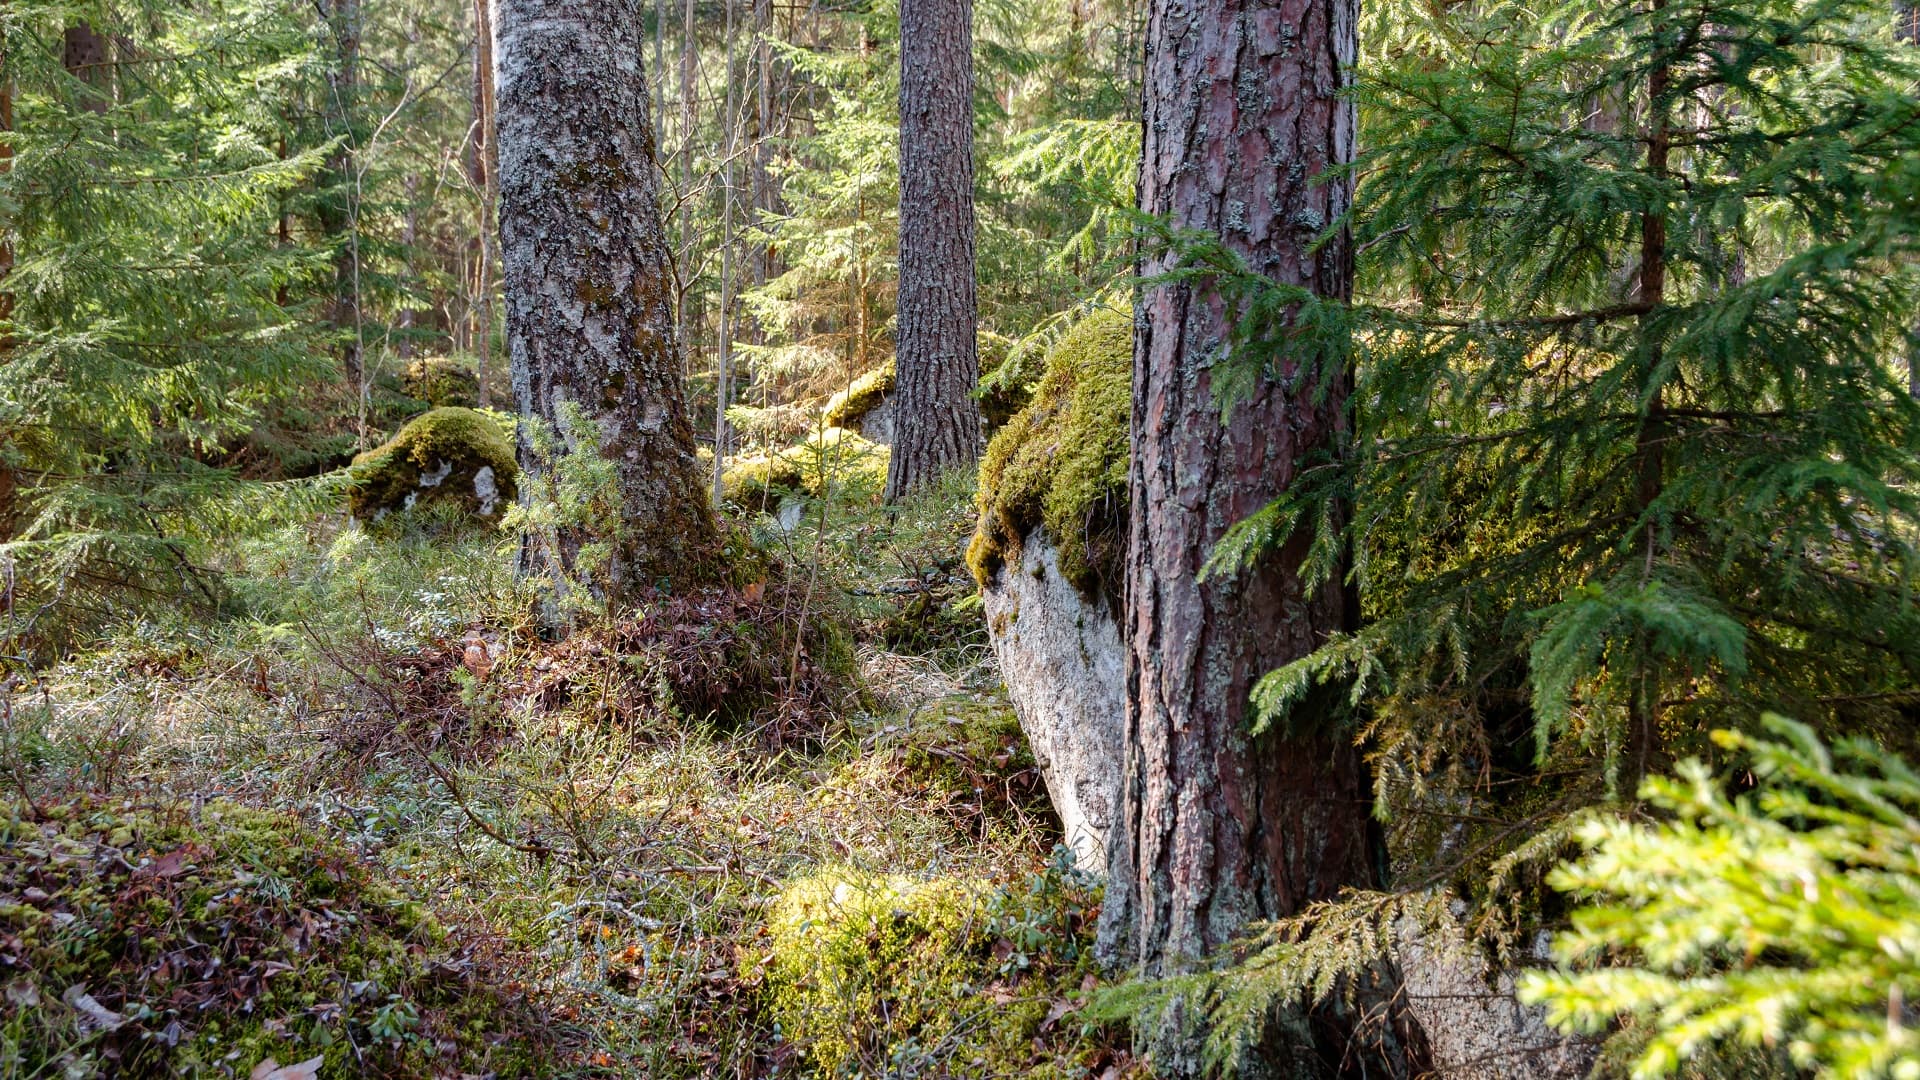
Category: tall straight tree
[589,282]
[1246,127]
[936,356]
[340,206]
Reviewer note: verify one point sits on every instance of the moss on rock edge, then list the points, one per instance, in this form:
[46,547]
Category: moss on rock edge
[1061,463]
[861,397]
[446,455]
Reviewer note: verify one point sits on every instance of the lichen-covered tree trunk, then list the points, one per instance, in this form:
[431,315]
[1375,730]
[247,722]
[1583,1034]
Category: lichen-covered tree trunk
[1243,120]
[937,365]
[589,285]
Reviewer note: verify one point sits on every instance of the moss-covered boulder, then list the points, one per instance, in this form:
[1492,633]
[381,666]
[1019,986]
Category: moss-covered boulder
[441,381]
[1047,552]
[865,405]
[1061,463]
[835,462]
[452,455]
[203,940]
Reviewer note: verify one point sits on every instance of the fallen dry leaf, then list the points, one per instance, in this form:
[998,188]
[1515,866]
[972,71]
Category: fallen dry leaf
[273,1070]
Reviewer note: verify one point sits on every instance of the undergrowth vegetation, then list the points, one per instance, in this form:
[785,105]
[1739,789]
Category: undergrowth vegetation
[478,817]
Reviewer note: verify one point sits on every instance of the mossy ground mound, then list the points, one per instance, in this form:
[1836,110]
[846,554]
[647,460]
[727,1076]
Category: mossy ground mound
[441,382]
[835,461]
[973,752]
[1061,462]
[454,456]
[887,975]
[203,941]
[738,656]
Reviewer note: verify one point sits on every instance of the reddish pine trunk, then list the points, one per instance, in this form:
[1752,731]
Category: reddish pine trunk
[589,281]
[1242,123]
[937,425]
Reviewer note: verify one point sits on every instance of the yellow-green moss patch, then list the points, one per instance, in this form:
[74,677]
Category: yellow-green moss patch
[447,455]
[1061,462]
[834,461]
[871,974]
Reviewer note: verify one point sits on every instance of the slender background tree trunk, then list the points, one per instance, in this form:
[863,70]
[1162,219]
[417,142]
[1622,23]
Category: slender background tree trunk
[484,170]
[83,53]
[1242,119]
[589,283]
[937,424]
[340,211]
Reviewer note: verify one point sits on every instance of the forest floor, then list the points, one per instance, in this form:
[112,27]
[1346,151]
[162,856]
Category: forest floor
[594,880]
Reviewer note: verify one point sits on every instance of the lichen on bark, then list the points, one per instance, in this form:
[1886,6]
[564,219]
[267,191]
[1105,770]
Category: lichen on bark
[589,286]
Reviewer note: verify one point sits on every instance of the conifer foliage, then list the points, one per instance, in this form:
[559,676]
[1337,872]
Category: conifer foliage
[154,313]
[1635,456]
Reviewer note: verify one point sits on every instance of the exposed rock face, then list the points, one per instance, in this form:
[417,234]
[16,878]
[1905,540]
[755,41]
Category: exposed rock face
[1475,1026]
[1065,670]
[877,425]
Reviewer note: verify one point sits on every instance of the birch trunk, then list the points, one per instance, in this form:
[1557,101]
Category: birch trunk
[589,281]
[936,360]
[1243,119]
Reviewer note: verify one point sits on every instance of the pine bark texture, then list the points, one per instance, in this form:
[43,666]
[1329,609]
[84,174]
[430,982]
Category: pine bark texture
[589,283]
[937,365]
[1243,119]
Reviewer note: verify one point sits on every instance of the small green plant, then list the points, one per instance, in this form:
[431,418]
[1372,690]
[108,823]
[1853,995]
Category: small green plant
[1787,918]
[570,523]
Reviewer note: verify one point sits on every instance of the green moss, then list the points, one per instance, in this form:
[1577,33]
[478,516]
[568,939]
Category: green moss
[440,381]
[210,937]
[974,750]
[1061,462]
[395,476]
[861,397]
[860,962]
[869,974]
[835,461]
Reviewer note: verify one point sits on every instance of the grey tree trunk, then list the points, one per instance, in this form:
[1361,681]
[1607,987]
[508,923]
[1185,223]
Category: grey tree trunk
[339,212]
[1243,120]
[1906,28]
[937,425]
[589,283]
[484,171]
[724,357]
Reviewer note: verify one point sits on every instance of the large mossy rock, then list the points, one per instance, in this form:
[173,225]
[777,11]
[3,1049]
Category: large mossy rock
[440,382]
[452,456]
[835,461]
[1047,554]
[865,406]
